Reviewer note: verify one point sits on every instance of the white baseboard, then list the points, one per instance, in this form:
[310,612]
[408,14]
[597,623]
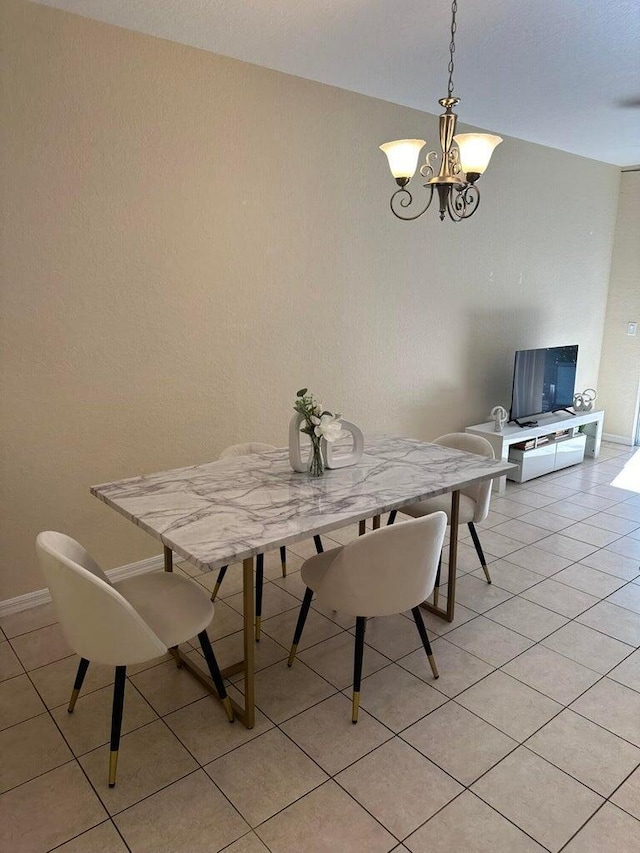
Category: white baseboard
[617,439]
[42,596]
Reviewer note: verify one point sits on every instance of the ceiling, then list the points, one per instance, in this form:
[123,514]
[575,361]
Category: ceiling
[563,73]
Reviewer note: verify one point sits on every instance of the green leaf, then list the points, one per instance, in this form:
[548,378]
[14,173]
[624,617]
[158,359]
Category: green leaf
[301,393]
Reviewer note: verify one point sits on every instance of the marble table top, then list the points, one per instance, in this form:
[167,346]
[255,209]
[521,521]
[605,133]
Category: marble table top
[221,512]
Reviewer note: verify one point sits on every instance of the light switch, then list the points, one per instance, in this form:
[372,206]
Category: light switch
[632,328]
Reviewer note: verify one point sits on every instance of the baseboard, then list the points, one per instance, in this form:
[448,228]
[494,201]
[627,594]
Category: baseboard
[42,596]
[617,439]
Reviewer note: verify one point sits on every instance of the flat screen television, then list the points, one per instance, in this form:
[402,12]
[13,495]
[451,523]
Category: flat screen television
[543,381]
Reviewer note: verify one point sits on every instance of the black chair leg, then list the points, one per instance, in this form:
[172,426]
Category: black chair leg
[479,551]
[83,666]
[216,675]
[425,640]
[436,588]
[318,543]
[361,624]
[259,586]
[116,721]
[283,560]
[302,618]
[392,516]
[221,575]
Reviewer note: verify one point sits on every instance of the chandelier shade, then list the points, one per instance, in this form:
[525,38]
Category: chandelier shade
[475,150]
[403,158]
[463,158]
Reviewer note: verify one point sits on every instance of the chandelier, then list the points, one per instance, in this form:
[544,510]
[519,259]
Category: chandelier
[460,166]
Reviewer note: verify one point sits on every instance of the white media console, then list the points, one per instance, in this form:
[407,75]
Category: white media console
[558,440]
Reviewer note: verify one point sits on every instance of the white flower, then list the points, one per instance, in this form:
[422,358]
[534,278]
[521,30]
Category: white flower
[328,427]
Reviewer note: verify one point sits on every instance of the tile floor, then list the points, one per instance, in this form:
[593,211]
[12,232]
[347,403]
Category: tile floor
[529,741]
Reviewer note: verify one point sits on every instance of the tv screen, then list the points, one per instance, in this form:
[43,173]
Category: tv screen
[543,381]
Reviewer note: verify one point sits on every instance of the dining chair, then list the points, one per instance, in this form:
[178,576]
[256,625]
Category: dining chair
[124,623]
[232,452]
[380,573]
[474,500]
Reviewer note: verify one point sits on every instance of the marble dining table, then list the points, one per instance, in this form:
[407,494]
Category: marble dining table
[217,513]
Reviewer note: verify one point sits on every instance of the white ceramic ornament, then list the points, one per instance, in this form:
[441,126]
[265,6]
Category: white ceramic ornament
[500,416]
[583,402]
[338,458]
[295,449]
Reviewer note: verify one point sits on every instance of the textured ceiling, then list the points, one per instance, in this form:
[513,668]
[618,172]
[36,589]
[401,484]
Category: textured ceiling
[564,73]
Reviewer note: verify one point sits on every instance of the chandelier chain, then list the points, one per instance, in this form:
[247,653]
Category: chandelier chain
[452,47]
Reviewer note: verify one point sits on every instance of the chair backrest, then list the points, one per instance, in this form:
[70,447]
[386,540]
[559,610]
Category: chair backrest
[98,623]
[479,492]
[245,449]
[386,571]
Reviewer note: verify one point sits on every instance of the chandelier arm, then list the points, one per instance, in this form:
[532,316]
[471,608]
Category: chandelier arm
[402,198]
[463,203]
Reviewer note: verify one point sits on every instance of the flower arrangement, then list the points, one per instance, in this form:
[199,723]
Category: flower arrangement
[318,424]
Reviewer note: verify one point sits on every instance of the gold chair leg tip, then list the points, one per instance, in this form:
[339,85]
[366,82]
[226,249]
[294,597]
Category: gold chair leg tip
[355,708]
[113,764]
[73,700]
[227,706]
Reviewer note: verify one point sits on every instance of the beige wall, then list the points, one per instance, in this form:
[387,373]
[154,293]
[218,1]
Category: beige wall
[189,239]
[619,380]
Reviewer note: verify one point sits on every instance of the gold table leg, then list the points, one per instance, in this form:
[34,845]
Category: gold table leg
[449,613]
[246,715]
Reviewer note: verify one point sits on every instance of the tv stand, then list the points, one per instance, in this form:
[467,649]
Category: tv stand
[525,424]
[558,440]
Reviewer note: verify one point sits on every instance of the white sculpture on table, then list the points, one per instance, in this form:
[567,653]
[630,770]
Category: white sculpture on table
[338,458]
[333,458]
[583,402]
[500,417]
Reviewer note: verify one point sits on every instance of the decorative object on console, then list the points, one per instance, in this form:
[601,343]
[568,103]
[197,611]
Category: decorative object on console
[584,401]
[318,424]
[461,165]
[500,417]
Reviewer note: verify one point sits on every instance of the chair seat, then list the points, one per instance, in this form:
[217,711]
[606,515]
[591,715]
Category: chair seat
[190,613]
[443,503]
[314,569]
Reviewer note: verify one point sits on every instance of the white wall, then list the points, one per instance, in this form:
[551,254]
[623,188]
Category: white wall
[189,239]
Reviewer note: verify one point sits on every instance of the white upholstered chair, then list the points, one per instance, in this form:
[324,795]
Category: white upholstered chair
[474,500]
[124,623]
[383,572]
[246,450]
